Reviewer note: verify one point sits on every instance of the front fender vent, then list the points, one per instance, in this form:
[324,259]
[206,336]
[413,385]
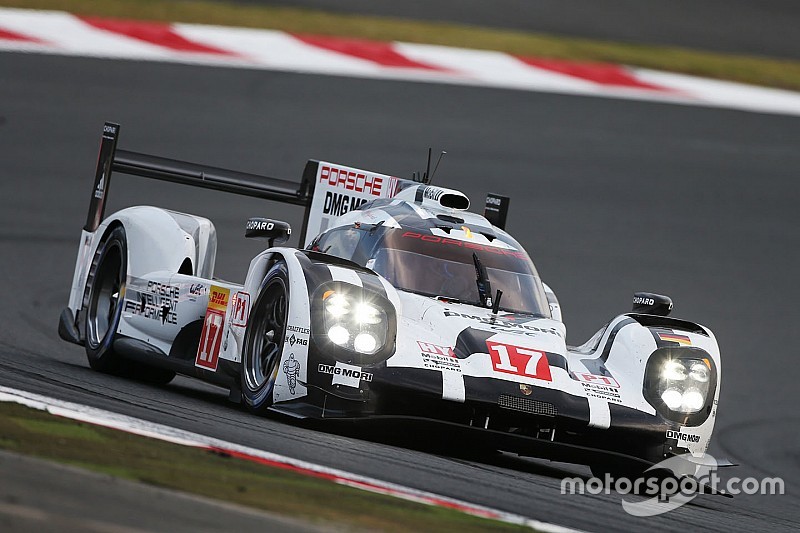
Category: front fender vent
[527,405]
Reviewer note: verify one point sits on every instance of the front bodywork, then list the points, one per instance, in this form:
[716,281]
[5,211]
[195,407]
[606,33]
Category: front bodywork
[508,373]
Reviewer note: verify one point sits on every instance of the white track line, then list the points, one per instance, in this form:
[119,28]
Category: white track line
[138,426]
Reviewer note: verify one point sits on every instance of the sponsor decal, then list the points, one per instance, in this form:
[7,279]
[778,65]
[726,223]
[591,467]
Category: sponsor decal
[197,289]
[606,381]
[682,437]
[296,339]
[218,299]
[525,362]
[464,244]
[351,180]
[683,340]
[101,186]
[432,193]
[641,300]
[435,357]
[344,374]
[291,367]
[159,301]
[505,324]
[339,204]
[431,348]
[260,225]
[240,309]
[298,329]
[211,337]
[602,387]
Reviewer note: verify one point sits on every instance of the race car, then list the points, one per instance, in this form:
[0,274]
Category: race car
[399,304]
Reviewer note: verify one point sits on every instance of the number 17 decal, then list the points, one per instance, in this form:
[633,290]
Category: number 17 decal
[519,361]
[211,337]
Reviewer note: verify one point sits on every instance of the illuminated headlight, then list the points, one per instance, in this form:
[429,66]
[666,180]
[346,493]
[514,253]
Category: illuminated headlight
[354,322]
[365,343]
[683,384]
[337,305]
[339,335]
[673,398]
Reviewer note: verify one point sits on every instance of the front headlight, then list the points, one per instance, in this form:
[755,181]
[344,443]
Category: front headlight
[681,383]
[355,324]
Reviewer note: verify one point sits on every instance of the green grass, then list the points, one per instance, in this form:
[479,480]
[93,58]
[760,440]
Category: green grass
[167,465]
[749,69]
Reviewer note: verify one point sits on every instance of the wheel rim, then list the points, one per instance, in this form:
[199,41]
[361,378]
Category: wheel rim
[105,296]
[267,338]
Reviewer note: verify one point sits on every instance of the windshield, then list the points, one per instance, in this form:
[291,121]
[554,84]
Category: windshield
[439,266]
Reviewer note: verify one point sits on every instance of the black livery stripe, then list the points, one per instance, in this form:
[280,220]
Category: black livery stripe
[472,341]
[371,282]
[315,273]
[597,365]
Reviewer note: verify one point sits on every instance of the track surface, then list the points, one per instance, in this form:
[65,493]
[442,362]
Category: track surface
[760,27]
[609,197]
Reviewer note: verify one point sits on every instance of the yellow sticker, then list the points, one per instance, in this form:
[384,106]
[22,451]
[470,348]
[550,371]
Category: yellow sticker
[218,298]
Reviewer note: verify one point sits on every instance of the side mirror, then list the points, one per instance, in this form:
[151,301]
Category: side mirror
[265,228]
[648,303]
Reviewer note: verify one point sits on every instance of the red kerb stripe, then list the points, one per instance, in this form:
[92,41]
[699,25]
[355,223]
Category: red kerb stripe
[380,53]
[154,33]
[601,73]
[11,36]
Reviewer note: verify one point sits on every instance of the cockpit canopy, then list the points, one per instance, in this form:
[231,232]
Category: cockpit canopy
[439,262]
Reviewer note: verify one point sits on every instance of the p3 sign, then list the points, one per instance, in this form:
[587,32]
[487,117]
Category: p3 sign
[525,362]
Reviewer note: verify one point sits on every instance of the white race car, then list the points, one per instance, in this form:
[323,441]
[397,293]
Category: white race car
[400,304]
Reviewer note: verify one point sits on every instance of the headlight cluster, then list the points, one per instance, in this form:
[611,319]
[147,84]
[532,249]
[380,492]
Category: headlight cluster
[684,384]
[681,382]
[354,322]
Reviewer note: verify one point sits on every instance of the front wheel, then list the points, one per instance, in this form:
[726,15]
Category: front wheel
[263,340]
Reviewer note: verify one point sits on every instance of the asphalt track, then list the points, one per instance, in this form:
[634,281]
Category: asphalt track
[759,27]
[609,196]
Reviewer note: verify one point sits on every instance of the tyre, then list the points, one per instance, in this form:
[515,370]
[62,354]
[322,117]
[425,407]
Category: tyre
[105,296]
[105,290]
[263,340]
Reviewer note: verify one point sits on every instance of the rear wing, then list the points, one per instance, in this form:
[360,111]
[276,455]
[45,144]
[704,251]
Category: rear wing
[326,190]
[112,159]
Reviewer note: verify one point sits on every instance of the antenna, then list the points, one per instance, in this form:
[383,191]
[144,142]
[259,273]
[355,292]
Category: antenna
[426,178]
[437,165]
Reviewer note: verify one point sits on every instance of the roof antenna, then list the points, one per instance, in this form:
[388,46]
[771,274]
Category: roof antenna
[437,165]
[426,178]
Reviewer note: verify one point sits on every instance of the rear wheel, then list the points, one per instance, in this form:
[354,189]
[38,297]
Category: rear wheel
[105,290]
[263,340]
[105,296]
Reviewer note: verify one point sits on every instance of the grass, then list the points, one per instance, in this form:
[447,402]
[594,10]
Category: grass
[167,465]
[748,69]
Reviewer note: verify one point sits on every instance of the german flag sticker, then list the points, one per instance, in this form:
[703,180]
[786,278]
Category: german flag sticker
[683,340]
